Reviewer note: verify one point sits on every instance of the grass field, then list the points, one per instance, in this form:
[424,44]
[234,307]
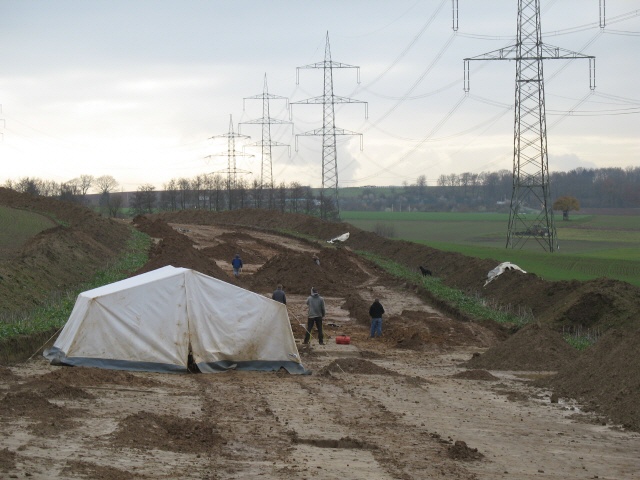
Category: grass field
[17,226]
[590,246]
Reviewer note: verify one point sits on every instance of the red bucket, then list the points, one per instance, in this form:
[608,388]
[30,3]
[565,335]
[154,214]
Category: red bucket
[343,340]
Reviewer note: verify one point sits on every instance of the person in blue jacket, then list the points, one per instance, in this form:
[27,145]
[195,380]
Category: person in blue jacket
[236,263]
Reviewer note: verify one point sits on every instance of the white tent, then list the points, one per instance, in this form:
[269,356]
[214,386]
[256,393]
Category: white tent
[148,322]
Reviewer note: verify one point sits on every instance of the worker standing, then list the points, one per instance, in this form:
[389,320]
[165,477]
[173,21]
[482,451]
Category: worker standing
[236,263]
[278,295]
[375,312]
[316,311]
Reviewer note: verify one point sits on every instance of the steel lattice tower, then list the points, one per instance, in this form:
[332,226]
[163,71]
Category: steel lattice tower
[266,144]
[531,210]
[231,154]
[329,202]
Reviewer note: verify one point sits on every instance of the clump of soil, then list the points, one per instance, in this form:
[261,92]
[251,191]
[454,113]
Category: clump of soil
[477,374]
[355,366]
[6,374]
[75,468]
[148,431]
[7,460]
[59,390]
[606,377]
[460,451]
[534,347]
[29,404]
[81,376]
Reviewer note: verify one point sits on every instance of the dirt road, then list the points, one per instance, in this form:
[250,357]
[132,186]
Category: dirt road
[400,407]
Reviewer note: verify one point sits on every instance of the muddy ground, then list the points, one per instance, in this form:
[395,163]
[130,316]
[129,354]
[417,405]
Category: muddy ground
[438,396]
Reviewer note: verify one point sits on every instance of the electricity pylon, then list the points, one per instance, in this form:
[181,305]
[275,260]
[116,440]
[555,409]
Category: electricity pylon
[531,210]
[329,202]
[231,154]
[266,144]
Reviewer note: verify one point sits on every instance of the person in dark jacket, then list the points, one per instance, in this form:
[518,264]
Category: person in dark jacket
[279,296]
[375,312]
[316,311]
[236,263]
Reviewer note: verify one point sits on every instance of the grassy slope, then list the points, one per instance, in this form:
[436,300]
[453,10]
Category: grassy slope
[18,226]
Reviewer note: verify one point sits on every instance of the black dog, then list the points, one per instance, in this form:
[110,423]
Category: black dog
[424,271]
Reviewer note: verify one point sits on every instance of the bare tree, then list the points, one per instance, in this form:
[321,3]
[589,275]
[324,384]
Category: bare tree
[105,185]
[184,189]
[170,195]
[144,200]
[297,194]
[116,201]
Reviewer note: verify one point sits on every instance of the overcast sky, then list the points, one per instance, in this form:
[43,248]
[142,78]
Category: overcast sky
[136,88]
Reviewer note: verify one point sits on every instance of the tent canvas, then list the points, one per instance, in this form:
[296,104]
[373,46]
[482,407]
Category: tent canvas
[149,322]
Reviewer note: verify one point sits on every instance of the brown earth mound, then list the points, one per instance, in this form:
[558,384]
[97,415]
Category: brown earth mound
[32,405]
[55,390]
[175,249]
[7,460]
[81,376]
[147,431]
[416,330]
[606,377]
[75,468]
[532,348]
[475,375]
[355,366]
[296,271]
[460,451]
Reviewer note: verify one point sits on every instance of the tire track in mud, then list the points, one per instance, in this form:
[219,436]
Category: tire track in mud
[338,421]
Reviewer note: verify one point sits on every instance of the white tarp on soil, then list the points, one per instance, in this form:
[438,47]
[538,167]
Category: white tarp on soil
[148,322]
[499,270]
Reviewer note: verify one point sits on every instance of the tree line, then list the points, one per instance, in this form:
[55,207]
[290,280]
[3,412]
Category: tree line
[485,191]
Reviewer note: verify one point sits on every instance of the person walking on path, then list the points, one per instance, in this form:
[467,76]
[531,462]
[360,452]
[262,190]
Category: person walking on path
[278,295]
[316,311]
[236,263]
[375,312]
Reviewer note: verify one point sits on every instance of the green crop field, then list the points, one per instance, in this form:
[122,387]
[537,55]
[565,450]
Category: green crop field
[17,226]
[590,246]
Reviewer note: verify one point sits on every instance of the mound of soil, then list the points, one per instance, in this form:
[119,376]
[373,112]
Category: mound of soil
[355,366]
[415,330]
[534,348]
[606,377]
[148,431]
[475,375]
[460,451]
[297,272]
[57,390]
[175,249]
[6,374]
[7,460]
[32,405]
[75,468]
[81,376]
